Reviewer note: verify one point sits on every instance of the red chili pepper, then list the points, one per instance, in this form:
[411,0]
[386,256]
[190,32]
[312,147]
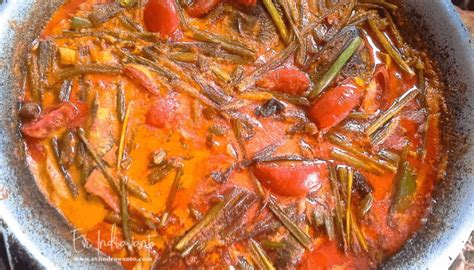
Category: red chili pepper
[335,105]
[291,179]
[51,121]
[162,113]
[161,16]
[285,80]
[202,7]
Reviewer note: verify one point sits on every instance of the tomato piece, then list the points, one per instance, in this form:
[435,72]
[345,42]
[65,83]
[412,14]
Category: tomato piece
[141,76]
[335,105]
[286,80]
[247,3]
[291,179]
[51,121]
[162,113]
[201,7]
[161,16]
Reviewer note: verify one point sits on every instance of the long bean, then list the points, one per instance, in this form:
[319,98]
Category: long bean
[391,50]
[88,69]
[336,67]
[299,234]
[172,195]
[67,176]
[277,19]
[398,105]
[125,218]
[229,45]
[260,256]
[122,136]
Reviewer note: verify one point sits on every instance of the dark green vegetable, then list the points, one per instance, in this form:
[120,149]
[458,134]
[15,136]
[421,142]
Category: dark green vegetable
[366,204]
[299,234]
[277,19]
[359,159]
[172,195]
[114,218]
[229,45]
[33,77]
[354,161]
[389,47]
[159,172]
[125,218]
[188,57]
[88,69]
[121,108]
[46,55]
[267,244]
[336,67]
[260,257]
[67,149]
[208,218]
[104,12]
[67,176]
[130,23]
[339,215]
[78,23]
[397,106]
[405,185]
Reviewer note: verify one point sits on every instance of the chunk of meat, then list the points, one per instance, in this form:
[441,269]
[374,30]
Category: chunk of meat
[335,105]
[161,16]
[201,7]
[286,80]
[162,113]
[292,179]
[141,76]
[50,121]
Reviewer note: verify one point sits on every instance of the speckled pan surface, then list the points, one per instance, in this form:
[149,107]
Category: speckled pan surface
[48,239]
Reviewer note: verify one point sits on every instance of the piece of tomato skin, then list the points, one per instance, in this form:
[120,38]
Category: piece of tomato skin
[286,80]
[292,179]
[161,16]
[335,105]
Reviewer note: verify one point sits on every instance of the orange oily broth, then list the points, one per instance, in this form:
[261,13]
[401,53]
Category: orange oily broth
[185,138]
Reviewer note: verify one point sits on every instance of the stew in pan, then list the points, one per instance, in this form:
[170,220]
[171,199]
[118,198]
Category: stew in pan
[248,134]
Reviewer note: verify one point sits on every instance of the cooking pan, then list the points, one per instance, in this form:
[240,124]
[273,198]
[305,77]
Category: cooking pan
[47,239]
